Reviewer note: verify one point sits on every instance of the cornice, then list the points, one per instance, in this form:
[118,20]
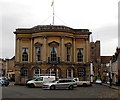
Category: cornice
[51,28]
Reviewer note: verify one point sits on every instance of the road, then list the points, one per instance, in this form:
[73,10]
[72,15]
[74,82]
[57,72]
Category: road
[95,91]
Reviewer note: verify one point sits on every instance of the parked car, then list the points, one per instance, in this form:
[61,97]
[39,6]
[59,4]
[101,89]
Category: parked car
[38,82]
[82,83]
[4,81]
[61,84]
[98,82]
[29,79]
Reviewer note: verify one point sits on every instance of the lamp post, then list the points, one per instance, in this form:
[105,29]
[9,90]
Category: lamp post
[91,72]
[110,77]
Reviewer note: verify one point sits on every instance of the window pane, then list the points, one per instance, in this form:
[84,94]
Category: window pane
[36,72]
[24,72]
[24,54]
[38,54]
[81,72]
[68,54]
[80,55]
[70,72]
[53,54]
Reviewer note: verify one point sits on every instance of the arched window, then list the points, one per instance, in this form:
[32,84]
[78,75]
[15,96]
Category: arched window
[53,54]
[36,72]
[68,53]
[69,72]
[24,72]
[24,54]
[54,72]
[80,55]
[81,72]
[37,53]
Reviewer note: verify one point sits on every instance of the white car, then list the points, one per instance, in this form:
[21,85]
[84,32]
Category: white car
[61,84]
[82,83]
[38,82]
[98,82]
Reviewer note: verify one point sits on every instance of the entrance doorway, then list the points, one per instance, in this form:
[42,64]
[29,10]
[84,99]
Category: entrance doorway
[54,72]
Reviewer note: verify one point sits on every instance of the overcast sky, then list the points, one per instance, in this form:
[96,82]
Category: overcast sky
[100,16]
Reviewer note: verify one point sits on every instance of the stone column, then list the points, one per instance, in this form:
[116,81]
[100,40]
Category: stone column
[74,50]
[17,50]
[17,75]
[31,54]
[87,50]
[44,46]
[62,48]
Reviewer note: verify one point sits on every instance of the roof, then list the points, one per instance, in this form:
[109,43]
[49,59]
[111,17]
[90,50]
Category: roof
[105,59]
[50,28]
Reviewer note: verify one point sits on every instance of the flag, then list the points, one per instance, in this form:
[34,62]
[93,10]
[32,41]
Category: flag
[52,3]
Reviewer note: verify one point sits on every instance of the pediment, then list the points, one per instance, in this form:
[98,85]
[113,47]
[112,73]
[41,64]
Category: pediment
[68,44]
[38,44]
[53,43]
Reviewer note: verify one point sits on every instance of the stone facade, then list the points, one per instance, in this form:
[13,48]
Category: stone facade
[2,67]
[10,68]
[54,50]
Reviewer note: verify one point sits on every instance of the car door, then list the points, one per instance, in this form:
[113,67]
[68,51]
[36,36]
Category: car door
[38,82]
[61,84]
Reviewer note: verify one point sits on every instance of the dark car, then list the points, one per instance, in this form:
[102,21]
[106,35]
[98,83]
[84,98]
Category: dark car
[4,81]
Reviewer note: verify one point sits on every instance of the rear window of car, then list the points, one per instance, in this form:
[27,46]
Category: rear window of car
[66,81]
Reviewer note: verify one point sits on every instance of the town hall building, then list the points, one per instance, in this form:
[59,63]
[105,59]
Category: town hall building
[52,50]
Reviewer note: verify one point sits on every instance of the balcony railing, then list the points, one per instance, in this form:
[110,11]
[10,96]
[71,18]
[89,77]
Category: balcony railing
[54,60]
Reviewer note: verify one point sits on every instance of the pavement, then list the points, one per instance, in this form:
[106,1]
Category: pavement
[113,86]
[11,83]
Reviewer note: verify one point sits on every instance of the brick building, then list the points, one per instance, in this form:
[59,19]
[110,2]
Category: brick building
[54,50]
[95,57]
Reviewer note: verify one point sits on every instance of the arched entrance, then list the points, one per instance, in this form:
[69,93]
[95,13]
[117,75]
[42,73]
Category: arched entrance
[54,71]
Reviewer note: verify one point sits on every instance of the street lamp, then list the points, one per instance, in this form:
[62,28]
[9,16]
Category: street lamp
[91,72]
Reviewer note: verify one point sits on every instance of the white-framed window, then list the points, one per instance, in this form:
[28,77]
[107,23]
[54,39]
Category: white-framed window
[36,72]
[80,55]
[37,53]
[53,53]
[69,72]
[24,72]
[24,54]
[68,53]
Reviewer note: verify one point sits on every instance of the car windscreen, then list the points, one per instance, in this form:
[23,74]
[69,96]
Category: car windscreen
[39,79]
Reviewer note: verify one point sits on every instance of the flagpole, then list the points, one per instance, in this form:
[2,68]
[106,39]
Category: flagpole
[53,12]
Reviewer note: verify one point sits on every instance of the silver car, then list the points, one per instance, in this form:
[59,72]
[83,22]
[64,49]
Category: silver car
[61,84]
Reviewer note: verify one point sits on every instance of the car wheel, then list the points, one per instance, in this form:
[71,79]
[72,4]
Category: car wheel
[70,87]
[84,84]
[52,87]
[32,85]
